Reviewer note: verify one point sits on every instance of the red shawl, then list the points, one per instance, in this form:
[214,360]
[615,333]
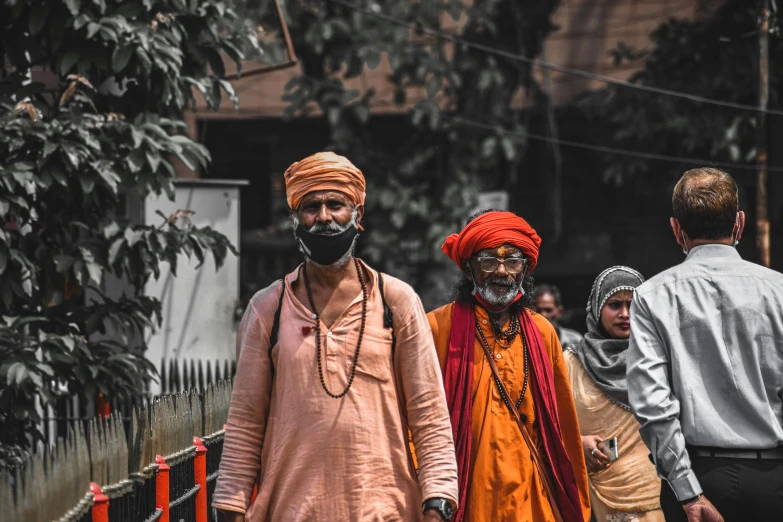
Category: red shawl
[458,380]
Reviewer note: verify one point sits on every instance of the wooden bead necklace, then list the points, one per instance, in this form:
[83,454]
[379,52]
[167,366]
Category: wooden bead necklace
[317,318]
[497,382]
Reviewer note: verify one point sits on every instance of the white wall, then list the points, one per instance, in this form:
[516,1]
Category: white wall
[198,305]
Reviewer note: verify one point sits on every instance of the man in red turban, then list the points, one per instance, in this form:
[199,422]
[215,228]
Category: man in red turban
[519,452]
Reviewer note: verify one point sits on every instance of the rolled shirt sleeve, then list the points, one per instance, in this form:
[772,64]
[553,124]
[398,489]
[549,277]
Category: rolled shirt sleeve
[655,405]
[424,402]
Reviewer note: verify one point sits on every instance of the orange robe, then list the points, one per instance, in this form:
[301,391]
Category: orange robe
[504,484]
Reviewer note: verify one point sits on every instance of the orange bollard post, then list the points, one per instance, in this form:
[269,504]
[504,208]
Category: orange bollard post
[200,468]
[162,488]
[100,504]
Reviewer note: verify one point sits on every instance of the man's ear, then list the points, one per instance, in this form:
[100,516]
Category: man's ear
[677,231]
[740,225]
[359,213]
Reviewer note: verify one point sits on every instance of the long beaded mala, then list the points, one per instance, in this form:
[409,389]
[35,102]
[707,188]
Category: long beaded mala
[317,318]
[497,380]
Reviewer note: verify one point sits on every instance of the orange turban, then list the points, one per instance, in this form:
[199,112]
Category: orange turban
[323,171]
[491,230]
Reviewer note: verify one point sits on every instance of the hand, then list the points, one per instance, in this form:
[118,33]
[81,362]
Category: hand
[432,515]
[595,458]
[702,510]
[233,516]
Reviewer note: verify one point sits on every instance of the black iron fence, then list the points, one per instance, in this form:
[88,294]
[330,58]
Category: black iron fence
[161,466]
[176,375]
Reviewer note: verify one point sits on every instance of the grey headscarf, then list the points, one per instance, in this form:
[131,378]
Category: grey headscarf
[603,357]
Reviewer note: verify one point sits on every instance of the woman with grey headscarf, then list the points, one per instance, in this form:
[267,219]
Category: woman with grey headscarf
[626,489]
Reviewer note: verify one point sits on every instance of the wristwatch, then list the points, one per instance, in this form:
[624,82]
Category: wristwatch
[441,505]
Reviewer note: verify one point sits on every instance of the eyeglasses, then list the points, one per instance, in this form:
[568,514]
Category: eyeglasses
[513,265]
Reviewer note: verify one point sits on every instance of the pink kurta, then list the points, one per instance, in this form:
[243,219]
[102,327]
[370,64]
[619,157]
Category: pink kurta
[317,458]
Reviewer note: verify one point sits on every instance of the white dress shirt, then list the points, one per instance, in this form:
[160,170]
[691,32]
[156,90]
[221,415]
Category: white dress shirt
[705,361]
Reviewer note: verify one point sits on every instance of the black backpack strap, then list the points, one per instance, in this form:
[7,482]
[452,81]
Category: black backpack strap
[388,316]
[276,326]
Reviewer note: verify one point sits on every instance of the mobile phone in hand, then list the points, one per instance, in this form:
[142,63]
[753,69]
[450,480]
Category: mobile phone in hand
[609,447]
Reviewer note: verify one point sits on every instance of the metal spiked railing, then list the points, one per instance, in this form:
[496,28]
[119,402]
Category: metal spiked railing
[163,468]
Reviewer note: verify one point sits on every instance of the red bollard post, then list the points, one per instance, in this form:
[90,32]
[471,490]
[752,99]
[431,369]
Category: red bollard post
[103,406]
[200,468]
[100,504]
[162,488]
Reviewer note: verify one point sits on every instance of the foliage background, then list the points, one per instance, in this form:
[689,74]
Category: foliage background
[103,123]
[471,130]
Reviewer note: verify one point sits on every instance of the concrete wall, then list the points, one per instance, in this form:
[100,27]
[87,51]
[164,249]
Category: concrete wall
[199,306]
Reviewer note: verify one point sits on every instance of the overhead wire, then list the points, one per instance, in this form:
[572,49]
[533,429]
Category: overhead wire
[609,150]
[577,144]
[552,66]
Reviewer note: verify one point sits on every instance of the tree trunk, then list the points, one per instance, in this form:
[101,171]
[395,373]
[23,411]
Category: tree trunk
[762,212]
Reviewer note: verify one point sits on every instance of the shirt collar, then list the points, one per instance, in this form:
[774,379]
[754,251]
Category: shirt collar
[372,283]
[713,250]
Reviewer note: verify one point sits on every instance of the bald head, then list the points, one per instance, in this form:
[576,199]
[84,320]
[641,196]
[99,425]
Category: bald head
[705,202]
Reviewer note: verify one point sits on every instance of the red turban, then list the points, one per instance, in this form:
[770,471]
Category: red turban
[491,230]
[323,171]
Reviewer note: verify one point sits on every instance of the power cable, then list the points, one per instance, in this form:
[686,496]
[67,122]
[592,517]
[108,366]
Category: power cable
[555,67]
[609,150]
[574,144]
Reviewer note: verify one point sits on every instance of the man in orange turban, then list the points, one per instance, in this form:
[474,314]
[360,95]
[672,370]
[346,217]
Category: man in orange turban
[519,452]
[336,366]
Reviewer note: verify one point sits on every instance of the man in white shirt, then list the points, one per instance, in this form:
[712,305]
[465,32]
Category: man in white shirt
[705,365]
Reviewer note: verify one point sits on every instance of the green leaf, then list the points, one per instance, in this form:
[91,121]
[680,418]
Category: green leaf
[78,271]
[216,62]
[49,148]
[121,57]
[87,182]
[96,272]
[80,20]
[433,86]
[92,29]
[397,219]
[68,343]
[109,176]
[45,369]
[136,160]
[509,147]
[73,6]
[372,58]
[16,372]
[153,158]
[58,174]
[68,60]
[485,80]
[115,248]
[38,16]
[63,262]
[111,229]
[489,146]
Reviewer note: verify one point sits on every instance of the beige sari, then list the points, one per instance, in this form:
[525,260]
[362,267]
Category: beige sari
[629,489]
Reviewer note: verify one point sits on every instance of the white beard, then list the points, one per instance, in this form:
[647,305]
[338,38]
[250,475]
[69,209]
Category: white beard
[502,298]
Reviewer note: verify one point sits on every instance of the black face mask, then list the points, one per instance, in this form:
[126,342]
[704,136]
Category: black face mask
[324,249]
